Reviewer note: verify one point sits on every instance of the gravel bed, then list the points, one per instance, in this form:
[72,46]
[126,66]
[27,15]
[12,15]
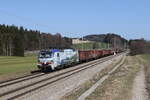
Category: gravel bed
[99,82]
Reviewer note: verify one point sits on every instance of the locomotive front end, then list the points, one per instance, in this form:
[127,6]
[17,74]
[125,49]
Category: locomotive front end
[45,61]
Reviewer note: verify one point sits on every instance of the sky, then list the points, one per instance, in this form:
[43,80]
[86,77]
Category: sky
[77,18]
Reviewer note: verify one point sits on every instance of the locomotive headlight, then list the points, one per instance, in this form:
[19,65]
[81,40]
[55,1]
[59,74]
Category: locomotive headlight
[50,62]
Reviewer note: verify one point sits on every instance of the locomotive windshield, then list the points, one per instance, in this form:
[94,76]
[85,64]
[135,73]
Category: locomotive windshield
[45,54]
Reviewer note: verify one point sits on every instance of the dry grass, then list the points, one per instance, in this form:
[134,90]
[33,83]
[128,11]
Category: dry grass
[119,85]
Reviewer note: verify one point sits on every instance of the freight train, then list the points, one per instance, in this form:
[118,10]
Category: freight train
[52,59]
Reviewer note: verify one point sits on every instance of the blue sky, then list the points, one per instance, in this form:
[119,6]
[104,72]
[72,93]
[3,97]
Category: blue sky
[75,18]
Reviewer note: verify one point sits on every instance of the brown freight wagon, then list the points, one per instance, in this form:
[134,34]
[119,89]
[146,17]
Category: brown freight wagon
[85,55]
[100,53]
[107,52]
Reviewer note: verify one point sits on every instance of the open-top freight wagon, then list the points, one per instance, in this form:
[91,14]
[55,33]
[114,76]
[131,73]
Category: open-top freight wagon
[87,55]
[52,59]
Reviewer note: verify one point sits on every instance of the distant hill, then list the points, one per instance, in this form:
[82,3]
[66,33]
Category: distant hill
[98,38]
[115,41]
[90,45]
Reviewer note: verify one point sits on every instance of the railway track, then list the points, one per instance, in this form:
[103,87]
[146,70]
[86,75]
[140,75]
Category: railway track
[24,78]
[9,80]
[19,87]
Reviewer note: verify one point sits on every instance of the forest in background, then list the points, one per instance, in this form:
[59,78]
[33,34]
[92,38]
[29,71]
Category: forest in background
[15,40]
[114,40]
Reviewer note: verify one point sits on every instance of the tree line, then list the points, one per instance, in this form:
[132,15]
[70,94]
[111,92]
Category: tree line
[139,46]
[15,40]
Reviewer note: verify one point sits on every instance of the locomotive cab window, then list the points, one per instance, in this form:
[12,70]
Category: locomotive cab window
[45,55]
[57,54]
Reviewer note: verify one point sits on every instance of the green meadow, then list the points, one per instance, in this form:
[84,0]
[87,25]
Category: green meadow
[12,64]
[146,57]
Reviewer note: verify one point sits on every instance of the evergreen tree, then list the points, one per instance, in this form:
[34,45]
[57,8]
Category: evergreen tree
[14,40]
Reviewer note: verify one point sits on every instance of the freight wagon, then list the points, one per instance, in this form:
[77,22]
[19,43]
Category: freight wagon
[93,54]
[52,59]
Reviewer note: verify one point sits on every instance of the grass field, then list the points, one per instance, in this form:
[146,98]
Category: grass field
[17,64]
[87,46]
[146,57]
[146,62]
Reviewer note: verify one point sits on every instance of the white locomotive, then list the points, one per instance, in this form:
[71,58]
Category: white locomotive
[51,59]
